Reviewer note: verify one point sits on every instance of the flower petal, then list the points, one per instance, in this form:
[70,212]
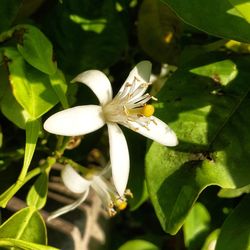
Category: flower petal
[75,121]
[73,181]
[158,131]
[69,207]
[119,157]
[98,82]
[141,72]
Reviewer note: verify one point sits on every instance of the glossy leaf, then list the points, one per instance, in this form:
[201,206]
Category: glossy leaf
[36,49]
[139,245]
[27,224]
[226,18]
[196,226]
[237,224]
[25,245]
[211,122]
[37,195]
[31,88]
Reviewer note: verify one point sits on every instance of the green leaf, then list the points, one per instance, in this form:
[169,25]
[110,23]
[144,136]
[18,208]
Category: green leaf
[232,193]
[222,72]
[27,224]
[95,36]
[37,195]
[211,240]
[32,132]
[31,88]
[25,245]
[235,232]
[226,18]
[60,86]
[8,13]
[36,49]
[211,122]
[13,110]
[138,245]
[158,25]
[196,226]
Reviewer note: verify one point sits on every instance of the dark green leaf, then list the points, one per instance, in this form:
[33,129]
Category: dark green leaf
[235,232]
[36,49]
[159,26]
[8,13]
[27,224]
[224,18]
[137,185]
[87,35]
[37,195]
[211,122]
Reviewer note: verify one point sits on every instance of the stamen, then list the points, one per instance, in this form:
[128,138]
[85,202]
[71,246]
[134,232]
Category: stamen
[121,204]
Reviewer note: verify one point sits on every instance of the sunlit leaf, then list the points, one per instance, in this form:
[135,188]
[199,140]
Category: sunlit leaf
[138,245]
[13,110]
[211,240]
[211,122]
[226,18]
[232,193]
[36,49]
[31,88]
[235,232]
[27,224]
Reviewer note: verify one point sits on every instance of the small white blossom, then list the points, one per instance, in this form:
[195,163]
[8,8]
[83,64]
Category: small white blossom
[128,108]
[76,183]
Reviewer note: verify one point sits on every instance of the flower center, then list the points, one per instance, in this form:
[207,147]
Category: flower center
[129,107]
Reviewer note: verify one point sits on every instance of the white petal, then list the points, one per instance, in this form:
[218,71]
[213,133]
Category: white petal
[75,121]
[98,82]
[73,181]
[141,71]
[158,131]
[69,207]
[119,157]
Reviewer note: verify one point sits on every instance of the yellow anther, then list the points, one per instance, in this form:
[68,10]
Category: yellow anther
[148,110]
[121,204]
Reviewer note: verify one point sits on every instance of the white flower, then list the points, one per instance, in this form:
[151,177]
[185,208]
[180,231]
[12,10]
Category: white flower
[127,108]
[104,189]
